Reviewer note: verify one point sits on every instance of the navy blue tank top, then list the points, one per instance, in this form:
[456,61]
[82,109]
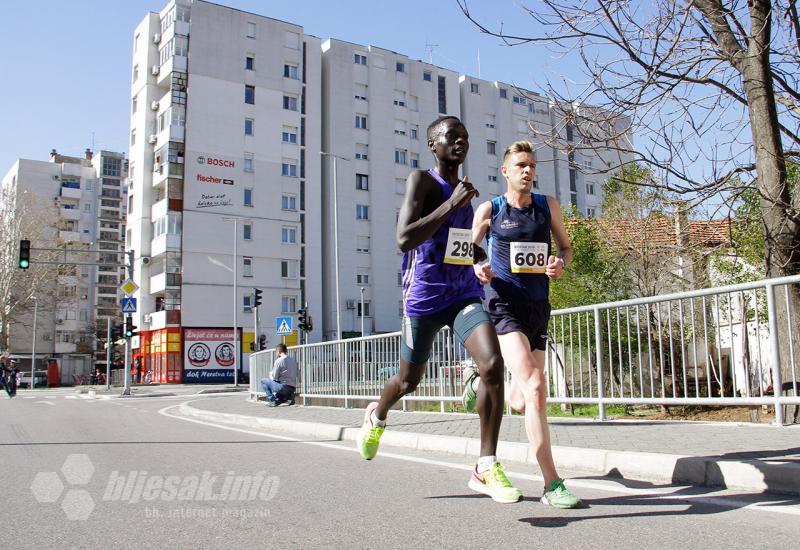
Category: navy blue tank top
[430,284]
[518,265]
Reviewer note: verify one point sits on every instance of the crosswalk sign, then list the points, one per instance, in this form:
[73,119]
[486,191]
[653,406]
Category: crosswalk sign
[284,325]
[128,304]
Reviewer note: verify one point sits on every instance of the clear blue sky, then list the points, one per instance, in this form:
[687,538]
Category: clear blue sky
[66,64]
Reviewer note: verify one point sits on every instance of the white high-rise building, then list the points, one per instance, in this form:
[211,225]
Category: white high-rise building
[78,201]
[377,105]
[225,131]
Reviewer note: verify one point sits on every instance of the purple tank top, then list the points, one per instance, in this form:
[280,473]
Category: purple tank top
[429,284]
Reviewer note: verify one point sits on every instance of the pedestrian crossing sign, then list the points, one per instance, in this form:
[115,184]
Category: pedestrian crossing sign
[284,325]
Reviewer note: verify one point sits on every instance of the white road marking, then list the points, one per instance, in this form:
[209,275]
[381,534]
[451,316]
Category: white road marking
[599,485]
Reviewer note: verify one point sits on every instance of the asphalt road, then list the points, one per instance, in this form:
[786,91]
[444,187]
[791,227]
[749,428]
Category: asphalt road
[127,473]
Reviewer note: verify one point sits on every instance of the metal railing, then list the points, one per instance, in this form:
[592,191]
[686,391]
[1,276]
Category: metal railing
[729,345]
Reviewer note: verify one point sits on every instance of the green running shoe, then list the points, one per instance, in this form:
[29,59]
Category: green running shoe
[557,496]
[494,483]
[369,437]
[469,397]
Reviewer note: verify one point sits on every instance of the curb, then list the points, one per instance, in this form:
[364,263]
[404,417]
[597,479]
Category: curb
[748,475]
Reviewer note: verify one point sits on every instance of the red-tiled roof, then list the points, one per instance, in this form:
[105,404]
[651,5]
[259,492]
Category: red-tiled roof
[661,232]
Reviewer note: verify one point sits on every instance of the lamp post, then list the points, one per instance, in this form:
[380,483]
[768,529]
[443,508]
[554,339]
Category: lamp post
[33,342]
[336,242]
[235,220]
[362,311]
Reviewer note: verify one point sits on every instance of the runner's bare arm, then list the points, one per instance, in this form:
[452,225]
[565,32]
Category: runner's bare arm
[412,228]
[480,226]
[556,264]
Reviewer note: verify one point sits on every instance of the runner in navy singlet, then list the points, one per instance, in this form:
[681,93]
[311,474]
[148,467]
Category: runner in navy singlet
[519,226]
[434,230]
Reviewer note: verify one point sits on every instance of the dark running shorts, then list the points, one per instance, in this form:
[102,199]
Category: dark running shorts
[418,333]
[517,315]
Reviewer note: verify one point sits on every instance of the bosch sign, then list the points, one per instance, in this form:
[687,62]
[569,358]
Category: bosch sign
[214,161]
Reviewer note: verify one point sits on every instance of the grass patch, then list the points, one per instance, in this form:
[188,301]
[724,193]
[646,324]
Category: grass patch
[584,411]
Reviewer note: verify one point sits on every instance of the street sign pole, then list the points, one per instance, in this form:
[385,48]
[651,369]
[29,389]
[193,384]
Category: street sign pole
[132,287]
[108,353]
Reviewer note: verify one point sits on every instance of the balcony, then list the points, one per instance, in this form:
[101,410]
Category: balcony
[70,213]
[165,243]
[70,193]
[65,347]
[69,236]
[160,282]
[164,318]
[159,209]
[175,63]
[163,171]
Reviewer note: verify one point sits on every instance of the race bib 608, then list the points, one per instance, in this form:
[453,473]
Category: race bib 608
[528,257]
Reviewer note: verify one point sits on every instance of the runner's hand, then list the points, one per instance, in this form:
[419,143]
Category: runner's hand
[483,272]
[554,267]
[463,193]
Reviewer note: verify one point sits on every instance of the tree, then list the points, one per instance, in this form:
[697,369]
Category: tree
[705,83]
[22,217]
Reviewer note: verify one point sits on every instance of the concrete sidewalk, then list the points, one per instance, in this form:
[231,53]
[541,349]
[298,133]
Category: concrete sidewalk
[737,456]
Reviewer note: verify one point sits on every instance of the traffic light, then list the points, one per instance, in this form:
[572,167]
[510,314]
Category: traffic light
[24,253]
[257,297]
[262,342]
[116,332]
[130,328]
[304,319]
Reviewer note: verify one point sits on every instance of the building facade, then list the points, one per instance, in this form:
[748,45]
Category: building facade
[86,221]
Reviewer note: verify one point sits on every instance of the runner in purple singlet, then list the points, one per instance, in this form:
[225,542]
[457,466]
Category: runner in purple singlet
[434,230]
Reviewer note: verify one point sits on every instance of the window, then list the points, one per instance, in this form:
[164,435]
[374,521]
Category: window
[289,168]
[414,131]
[399,278]
[248,162]
[492,177]
[362,212]
[290,102]
[289,202]
[400,67]
[414,160]
[570,132]
[362,278]
[491,147]
[400,127]
[361,121]
[133,105]
[400,98]
[426,76]
[400,156]
[473,87]
[133,138]
[360,92]
[290,71]
[246,302]
[536,184]
[360,59]
[490,121]
[362,244]
[135,73]
[250,94]
[288,304]
[361,151]
[248,126]
[289,269]
[590,188]
[442,94]
[365,312]
[362,182]
[248,196]
[249,63]
[288,235]
[247,266]
[503,93]
[289,134]
[251,29]
[591,213]
[519,100]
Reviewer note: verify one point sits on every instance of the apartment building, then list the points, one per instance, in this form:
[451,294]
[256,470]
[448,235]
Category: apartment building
[80,200]
[225,140]
[376,107]
[497,114]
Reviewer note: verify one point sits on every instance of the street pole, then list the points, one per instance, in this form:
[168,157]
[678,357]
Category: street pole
[108,353]
[362,312]
[336,243]
[33,345]
[126,390]
[235,304]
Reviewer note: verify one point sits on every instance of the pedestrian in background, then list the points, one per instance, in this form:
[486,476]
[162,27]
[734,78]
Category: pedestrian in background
[280,386]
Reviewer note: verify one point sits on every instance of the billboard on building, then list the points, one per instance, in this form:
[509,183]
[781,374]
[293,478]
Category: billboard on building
[209,354]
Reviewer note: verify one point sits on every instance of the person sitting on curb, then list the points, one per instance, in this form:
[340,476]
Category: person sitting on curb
[280,387]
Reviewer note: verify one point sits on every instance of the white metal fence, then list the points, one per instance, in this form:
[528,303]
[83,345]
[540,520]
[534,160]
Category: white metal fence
[718,346]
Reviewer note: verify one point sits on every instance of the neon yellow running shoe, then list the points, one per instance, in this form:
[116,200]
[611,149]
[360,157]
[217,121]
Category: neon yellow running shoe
[557,496]
[369,437]
[469,397]
[494,483]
